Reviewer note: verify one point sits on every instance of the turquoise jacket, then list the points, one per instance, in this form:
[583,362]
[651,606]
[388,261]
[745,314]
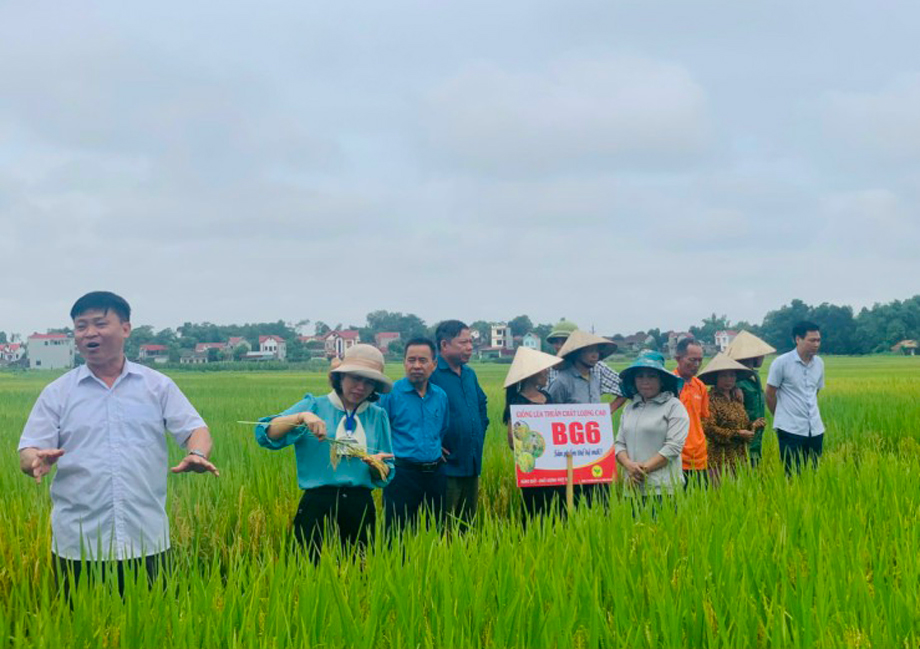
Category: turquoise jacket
[314,465]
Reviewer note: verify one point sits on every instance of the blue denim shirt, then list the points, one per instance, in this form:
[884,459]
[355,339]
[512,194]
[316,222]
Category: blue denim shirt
[468,419]
[418,424]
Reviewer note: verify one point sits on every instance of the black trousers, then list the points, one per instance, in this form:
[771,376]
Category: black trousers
[349,510]
[798,450]
[696,478]
[72,570]
[589,493]
[413,487]
[540,501]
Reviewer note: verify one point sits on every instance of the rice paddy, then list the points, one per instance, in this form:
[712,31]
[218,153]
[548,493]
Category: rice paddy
[830,558]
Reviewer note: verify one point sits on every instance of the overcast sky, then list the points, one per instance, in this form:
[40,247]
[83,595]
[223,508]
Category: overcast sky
[623,164]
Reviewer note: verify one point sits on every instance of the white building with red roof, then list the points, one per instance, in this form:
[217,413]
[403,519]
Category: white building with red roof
[384,338]
[202,348]
[337,342]
[274,345]
[11,352]
[235,341]
[152,353]
[50,351]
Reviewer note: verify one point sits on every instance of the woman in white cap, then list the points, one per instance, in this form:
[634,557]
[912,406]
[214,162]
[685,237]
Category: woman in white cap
[728,428]
[524,385]
[749,350]
[343,448]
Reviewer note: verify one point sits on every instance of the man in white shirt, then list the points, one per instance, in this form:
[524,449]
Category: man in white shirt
[104,424]
[793,384]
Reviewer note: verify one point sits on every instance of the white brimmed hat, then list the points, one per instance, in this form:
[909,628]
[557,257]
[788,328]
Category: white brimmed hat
[747,345]
[579,339]
[365,361]
[528,362]
[722,363]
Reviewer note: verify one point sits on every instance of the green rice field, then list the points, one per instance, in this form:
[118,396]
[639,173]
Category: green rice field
[828,559]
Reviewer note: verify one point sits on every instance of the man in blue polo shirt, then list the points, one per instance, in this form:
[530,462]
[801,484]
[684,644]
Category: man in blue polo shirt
[419,414]
[468,417]
[792,396]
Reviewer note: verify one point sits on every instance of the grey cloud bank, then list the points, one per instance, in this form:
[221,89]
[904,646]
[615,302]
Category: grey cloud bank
[624,165]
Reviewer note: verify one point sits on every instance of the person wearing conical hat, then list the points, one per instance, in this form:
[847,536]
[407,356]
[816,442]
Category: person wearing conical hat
[577,383]
[609,379]
[749,350]
[653,429]
[524,386]
[728,428]
[337,477]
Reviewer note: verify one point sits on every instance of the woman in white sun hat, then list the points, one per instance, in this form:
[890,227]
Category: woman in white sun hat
[343,448]
[524,385]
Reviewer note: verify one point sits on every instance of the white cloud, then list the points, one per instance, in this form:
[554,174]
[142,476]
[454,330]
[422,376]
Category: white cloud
[880,124]
[579,112]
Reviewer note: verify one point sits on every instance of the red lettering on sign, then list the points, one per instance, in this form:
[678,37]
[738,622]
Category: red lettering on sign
[577,432]
[593,431]
[558,431]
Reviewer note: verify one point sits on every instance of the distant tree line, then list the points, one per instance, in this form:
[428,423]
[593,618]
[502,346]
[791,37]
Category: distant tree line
[872,330]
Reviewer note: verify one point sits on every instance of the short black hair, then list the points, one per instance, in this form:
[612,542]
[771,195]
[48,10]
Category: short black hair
[801,329]
[448,330]
[104,301]
[683,343]
[428,342]
[335,380]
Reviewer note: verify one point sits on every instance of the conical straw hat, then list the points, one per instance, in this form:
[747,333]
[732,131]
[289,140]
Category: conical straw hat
[747,345]
[528,362]
[579,339]
[720,363]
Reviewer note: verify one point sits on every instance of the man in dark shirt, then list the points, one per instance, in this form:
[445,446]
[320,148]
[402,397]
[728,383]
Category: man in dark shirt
[468,417]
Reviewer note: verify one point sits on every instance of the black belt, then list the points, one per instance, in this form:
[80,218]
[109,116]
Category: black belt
[422,467]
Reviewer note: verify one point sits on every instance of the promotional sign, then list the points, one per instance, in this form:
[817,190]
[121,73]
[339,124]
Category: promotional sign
[545,435]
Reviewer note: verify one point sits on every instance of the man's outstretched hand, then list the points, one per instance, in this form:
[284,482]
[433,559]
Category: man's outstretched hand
[196,464]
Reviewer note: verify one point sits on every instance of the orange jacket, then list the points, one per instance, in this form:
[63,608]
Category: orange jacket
[695,397]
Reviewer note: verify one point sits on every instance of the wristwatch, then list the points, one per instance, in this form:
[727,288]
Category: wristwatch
[199,454]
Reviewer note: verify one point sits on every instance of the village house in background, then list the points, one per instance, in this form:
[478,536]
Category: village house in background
[530,340]
[906,347]
[724,338]
[384,339]
[50,351]
[338,342]
[11,353]
[158,354]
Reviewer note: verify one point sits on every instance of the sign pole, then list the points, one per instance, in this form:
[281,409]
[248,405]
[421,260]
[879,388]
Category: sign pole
[569,482]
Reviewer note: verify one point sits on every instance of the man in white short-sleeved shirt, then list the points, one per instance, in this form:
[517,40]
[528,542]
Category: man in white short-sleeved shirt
[793,384]
[104,424]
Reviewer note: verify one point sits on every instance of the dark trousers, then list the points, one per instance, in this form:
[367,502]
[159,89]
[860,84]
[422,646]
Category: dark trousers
[696,478]
[798,450]
[67,571]
[462,497]
[349,510]
[413,487]
[591,493]
[539,501]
